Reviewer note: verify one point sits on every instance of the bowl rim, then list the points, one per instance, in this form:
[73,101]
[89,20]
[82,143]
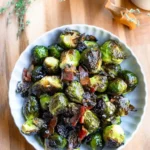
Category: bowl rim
[105,31]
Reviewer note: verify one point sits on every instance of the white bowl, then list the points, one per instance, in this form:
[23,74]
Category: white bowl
[138,97]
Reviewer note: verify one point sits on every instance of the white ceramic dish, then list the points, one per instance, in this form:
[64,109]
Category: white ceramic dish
[138,97]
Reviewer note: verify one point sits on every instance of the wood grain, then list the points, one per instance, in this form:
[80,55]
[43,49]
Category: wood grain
[46,15]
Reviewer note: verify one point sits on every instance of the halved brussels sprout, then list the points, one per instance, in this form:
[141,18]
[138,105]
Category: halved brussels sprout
[112,70]
[44,101]
[39,54]
[117,87]
[75,92]
[99,82]
[130,78]
[96,141]
[31,108]
[51,65]
[32,126]
[70,57]
[55,141]
[58,103]
[47,84]
[112,52]
[37,73]
[91,121]
[29,128]
[69,38]
[91,59]
[55,51]
[90,44]
[113,136]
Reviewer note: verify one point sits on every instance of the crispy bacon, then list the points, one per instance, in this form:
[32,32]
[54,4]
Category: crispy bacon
[82,134]
[69,73]
[84,76]
[52,125]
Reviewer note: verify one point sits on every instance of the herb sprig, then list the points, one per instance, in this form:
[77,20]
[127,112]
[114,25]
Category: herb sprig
[19,9]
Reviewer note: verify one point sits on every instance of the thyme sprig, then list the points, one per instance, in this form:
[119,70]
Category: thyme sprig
[19,9]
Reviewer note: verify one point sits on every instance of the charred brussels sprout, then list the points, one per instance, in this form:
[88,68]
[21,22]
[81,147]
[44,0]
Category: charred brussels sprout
[90,44]
[39,54]
[112,70]
[91,121]
[70,57]
[51,65]
[130,78]
[69,38]
[107,108]
[31,108]
[47,84]
[91,59]
[113,136]
[37,73]
[112,120]
[55,141]
[117,87]
[123,105]
[58,103]
[112,52]
[55,51]
[96,142]
[44,101]
[98,82]
[75,92]
[29,128]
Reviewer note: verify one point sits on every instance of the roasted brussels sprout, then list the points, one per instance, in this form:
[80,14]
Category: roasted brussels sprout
[47,84]
[58,103]
[104,107]
[32,126]
[91,59]
[112,52]
[89,99]
[112,70]
[75,92]
[96,141]
[39,54]
[70,57]
[44,101]
[117,86]
[55,51]
[69,38]
[91,122]
[37,73]
[112,120]
[99,82]
[122,104]
[90,44]
[73,140]
[29,128]
[113,136]
[55,141]
[31,108]
[130,78]
[23,88]
[51,65]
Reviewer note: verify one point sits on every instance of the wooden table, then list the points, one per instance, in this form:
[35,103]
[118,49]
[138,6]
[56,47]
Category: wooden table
[46,15]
